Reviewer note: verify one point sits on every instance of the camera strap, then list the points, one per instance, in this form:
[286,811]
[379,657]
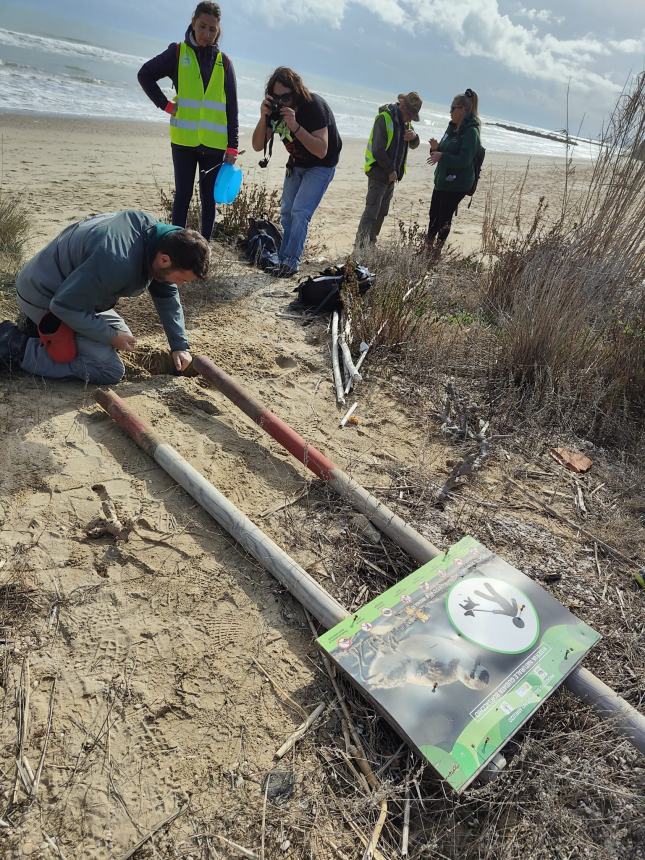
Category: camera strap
[266,159]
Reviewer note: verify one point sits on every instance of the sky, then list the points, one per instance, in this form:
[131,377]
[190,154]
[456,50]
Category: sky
[519,58]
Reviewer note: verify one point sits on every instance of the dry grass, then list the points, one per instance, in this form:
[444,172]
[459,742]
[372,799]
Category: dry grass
[14,232]
[552,331]
[232,222]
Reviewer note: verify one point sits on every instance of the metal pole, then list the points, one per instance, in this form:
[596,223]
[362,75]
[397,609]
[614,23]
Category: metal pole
[625,719]
[418,547]
[294,578]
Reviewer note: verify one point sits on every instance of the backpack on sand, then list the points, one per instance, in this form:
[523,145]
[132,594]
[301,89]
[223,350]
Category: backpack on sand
[262,243]
[323,293]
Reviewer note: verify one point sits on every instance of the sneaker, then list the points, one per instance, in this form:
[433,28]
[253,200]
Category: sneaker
[12,346]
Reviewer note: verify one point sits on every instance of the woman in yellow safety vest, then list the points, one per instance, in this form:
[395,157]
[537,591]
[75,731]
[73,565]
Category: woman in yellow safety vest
[203,115]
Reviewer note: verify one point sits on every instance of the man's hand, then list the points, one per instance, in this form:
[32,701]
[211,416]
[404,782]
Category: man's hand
[289,116]
[409,134]
[435,157]
[392,177]
[181,358]
[124,341]
[266,107]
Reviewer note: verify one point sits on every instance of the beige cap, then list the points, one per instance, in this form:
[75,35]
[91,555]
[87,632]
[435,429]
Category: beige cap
[412,102]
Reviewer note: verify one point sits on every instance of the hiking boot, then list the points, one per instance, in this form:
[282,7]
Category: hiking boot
[12,346]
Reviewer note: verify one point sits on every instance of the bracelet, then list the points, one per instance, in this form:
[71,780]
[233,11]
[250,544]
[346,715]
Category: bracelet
[297,130]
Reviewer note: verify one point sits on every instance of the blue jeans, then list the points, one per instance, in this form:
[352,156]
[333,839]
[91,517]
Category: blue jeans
[303,189]
[96,363]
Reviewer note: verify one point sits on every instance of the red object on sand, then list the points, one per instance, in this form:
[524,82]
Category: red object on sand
[58,339]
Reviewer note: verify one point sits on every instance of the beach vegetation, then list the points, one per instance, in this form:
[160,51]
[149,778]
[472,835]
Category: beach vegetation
[550,313]
[14,232]
[254,201]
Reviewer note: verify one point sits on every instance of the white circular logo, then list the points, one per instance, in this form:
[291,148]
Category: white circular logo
[494,614]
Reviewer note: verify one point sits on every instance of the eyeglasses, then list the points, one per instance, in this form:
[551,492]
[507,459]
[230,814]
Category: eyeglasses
[284,99]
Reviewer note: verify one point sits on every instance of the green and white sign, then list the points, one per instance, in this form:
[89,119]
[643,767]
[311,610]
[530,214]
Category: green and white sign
[458,655]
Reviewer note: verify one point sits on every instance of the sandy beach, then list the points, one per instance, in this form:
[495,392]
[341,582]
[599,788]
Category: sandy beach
[160,668]
[68,168]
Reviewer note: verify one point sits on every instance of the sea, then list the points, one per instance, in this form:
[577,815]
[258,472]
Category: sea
[54,76]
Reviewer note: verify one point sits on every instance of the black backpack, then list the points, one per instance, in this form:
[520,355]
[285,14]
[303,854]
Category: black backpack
[262,243]
[323,293]
[477,164]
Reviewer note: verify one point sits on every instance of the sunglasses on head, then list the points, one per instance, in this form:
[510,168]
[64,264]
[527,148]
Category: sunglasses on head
[284,99]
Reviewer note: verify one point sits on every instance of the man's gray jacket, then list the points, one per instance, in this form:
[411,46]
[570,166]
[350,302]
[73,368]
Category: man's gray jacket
[88,267]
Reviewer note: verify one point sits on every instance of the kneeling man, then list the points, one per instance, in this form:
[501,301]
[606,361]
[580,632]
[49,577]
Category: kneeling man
[70,288]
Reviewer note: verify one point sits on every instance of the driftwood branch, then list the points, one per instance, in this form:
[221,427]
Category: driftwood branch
[470,464]
[299,732]
[351,371]
[338,379]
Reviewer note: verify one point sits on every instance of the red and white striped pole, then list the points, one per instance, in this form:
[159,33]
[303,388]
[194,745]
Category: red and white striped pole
[606,702]
[402,533]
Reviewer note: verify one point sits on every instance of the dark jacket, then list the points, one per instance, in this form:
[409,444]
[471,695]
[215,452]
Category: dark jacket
[396,156]
[456,170]
[164,65]
[88,267]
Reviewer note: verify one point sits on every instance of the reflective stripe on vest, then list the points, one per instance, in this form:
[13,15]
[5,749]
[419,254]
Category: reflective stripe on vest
[201,116]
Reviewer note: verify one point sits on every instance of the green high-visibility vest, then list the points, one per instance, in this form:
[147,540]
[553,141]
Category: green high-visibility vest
[370,161]
[201,116]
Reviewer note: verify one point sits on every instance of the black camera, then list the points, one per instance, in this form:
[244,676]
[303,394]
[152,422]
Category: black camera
[275,116]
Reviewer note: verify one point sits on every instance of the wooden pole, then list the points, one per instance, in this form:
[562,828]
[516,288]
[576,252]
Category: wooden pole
[607,704]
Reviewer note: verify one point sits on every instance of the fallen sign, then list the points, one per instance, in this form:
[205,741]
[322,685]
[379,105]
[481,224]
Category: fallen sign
[458,655]
[311,595]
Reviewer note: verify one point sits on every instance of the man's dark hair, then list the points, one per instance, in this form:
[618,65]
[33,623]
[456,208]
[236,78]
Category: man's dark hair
[188,250]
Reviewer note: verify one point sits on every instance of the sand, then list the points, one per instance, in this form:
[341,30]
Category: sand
[177,659]
[69,168]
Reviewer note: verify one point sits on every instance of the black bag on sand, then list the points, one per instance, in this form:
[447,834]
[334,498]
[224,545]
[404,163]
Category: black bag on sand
[323,293]
[262,243]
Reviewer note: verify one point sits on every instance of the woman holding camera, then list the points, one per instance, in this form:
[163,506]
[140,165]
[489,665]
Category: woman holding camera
[454,157]
[304,122]
[203,115]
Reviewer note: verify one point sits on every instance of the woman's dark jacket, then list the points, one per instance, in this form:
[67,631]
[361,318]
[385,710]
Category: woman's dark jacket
[456,170]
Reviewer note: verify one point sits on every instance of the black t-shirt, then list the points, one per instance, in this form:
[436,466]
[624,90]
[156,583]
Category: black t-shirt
[312,116]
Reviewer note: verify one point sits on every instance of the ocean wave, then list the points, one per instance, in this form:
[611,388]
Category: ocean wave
[50,45]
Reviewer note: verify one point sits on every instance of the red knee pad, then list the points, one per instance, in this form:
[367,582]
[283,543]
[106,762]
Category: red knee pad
[58,339]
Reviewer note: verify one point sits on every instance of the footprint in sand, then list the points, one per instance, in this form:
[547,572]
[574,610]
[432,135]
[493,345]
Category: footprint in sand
[286,362]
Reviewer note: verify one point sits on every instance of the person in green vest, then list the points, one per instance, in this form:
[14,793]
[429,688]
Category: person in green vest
[454,177]
[203,115]
[385,161]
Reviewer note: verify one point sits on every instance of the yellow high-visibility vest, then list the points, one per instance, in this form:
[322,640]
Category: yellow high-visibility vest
[201,116]
[370,161]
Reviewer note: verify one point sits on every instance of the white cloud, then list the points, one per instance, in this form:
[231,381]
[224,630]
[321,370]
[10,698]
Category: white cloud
[544,16]
[628,46]
[477,28]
